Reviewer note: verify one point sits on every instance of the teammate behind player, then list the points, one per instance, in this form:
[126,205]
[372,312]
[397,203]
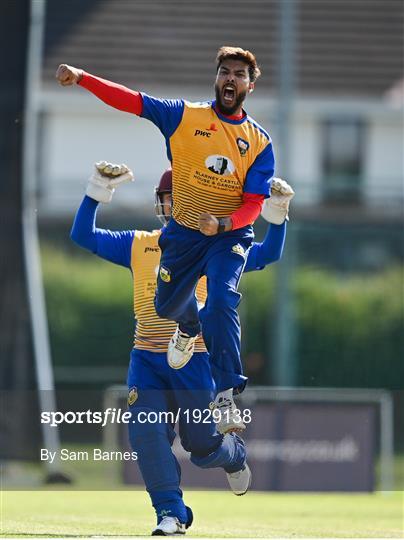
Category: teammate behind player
[223,164]
[152,385]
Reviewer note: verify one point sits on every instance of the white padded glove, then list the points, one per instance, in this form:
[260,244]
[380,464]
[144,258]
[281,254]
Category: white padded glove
[105,178]
[276,207]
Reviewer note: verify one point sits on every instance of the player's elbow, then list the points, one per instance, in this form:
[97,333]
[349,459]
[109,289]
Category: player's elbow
[82,240]
[269,258]
[276,255]
[74,236]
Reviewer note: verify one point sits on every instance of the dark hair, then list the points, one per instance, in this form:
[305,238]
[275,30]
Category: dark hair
[236,53]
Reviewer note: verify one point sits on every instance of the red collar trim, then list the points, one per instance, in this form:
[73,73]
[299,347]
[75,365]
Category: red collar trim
[239,116]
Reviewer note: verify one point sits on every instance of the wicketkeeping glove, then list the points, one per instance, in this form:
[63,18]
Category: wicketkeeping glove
[106,177]
[276,207]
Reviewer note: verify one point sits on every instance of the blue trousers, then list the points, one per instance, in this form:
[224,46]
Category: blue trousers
[187,255]
[159,388]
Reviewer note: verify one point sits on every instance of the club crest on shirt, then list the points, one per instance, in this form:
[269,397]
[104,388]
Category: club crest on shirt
[165,274]
[243,146]
[132,395]
[220,165]
[238,248]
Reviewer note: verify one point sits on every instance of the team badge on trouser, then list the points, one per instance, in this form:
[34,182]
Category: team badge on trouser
[132,395]
[165,274]
[238,248]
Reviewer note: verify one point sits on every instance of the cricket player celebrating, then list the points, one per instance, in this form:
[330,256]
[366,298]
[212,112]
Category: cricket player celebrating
[223,164]
[153,385]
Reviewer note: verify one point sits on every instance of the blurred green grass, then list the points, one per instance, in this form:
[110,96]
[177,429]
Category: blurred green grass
[101,475]
[218,514]
[90,313]
[349,327]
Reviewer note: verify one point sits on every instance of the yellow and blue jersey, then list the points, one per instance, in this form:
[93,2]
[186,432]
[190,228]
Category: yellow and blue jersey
[139,251]
[153,333]
[214,159]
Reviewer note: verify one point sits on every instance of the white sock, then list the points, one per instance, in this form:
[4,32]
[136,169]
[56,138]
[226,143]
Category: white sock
[226,394]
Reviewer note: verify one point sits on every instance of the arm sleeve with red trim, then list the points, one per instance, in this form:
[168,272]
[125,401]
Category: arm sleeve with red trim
[248,211]
[115,95]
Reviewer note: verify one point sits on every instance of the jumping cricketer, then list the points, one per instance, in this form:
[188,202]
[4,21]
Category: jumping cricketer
[223,164]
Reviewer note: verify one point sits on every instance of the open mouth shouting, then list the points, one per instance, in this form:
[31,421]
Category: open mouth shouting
[229,98]
[229,95]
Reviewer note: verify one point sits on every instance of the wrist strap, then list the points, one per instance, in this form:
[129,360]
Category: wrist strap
[222,226]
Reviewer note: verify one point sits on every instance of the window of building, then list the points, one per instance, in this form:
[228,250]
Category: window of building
[342,159]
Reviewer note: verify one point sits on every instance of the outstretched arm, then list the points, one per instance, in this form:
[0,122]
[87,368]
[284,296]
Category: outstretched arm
[166,114]
[114,246]
[116,95]
[268,251]
[276,212]
[113,94]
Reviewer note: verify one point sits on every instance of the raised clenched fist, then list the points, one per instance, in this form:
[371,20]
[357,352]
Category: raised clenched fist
[68,75]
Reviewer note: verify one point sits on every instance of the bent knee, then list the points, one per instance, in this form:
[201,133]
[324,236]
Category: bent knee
[163,309]
[202,447]
[221,299]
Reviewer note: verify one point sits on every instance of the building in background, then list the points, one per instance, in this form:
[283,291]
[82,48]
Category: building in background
[345,247]
[347,129]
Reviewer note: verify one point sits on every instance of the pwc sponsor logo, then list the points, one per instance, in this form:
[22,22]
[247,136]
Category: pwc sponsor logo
[206,132]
